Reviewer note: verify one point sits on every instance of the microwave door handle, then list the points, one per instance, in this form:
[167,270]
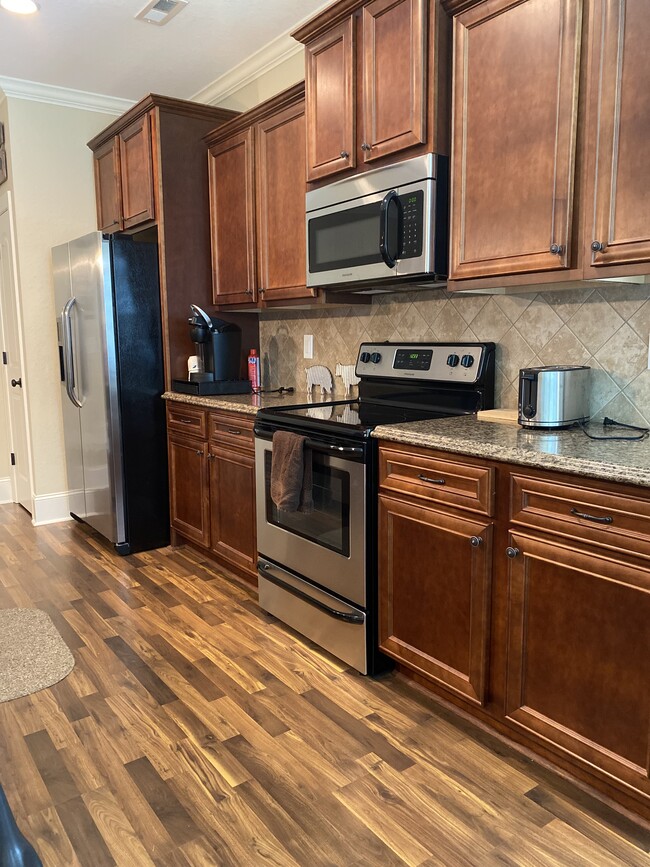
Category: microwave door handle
[384,227]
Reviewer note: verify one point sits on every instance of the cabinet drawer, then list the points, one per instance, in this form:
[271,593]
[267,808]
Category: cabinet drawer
[188,419]
[451,483]
[598,516]
[232,429]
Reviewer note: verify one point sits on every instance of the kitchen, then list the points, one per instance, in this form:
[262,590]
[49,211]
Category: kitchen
[602,326]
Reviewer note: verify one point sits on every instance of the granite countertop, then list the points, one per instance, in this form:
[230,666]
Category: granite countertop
[245,403]
[567,451]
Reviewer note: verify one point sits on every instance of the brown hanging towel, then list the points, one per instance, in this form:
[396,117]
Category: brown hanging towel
[291,473]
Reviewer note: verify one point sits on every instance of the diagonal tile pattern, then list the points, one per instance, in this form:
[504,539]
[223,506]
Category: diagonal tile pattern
[607,329]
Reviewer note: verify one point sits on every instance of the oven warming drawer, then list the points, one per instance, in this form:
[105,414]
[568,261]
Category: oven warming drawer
[336,626]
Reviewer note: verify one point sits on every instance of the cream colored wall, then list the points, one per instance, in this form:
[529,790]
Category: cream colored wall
[54,201]
[5,440]
[290,71]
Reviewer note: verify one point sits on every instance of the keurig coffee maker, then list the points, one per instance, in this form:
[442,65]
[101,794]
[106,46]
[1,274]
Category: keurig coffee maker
[217,366]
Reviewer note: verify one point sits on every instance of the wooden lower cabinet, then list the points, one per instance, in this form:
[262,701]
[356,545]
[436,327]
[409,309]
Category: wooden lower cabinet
[542,629]
[212,484]
[578,671]
[435,572]
[188,488]
[232,507]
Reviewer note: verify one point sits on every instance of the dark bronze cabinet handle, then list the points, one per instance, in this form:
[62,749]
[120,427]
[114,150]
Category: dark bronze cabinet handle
[557,249]
[597,247]
[17,382]
[604,519]
[512,552]
[344,155]
[234,431]
[476,541]
[431,481]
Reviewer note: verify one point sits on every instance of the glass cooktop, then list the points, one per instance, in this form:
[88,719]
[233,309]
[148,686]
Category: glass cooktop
[359,415]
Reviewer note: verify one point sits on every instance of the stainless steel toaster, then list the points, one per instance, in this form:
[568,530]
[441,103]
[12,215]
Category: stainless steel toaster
[553,397]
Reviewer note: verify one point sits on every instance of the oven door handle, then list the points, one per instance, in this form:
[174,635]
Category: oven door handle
[264,571]
[340,450]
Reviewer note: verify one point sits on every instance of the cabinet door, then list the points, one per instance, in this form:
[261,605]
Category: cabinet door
[107,186]
[395,76]
[136,172]
[434,594]
[515,91]
[578,652]
[330,91]
[188,488]
[232,220]
[280,186]
[232,507]
[621,139]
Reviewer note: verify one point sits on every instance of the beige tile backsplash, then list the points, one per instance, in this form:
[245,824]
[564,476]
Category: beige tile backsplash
[608,329]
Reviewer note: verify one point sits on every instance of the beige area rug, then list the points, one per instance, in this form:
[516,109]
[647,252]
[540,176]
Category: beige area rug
[33,655]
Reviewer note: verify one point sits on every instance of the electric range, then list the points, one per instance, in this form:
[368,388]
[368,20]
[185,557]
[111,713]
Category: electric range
[318,570]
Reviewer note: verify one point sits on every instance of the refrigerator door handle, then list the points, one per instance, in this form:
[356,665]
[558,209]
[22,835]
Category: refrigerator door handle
[68,352]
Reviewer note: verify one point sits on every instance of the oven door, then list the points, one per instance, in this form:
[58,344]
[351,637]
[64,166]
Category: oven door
[328,545]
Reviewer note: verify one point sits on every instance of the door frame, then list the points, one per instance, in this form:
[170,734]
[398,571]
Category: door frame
[6,206]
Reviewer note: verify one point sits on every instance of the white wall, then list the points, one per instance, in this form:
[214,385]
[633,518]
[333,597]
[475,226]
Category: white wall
[54,200]
[5,441]
[266,85]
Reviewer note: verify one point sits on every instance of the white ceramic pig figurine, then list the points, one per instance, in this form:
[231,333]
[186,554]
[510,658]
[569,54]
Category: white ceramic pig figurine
[347,374]
[319,375]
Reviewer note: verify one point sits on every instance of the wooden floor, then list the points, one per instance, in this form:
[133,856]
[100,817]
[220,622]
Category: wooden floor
[197,730]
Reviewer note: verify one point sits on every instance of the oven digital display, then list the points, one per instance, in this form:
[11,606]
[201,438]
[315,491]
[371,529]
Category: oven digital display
[413,359]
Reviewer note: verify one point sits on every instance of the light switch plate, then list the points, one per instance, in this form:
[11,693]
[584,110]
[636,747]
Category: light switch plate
[308,346]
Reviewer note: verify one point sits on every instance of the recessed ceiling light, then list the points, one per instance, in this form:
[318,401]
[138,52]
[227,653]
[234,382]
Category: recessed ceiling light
[21,7]
[160,11]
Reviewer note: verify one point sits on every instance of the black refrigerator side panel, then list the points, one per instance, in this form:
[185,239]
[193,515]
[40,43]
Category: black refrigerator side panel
[141,384]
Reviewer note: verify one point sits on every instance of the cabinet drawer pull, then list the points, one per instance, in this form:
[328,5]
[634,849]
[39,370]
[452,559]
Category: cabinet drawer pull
[605,519]
[476,541]
[187,420]
[344,155]
[233,430]
[512,552]
[431,481]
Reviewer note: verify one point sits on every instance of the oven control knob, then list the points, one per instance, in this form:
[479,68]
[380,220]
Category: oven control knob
[452,360]
[375,357]
[364,357]
[467,360]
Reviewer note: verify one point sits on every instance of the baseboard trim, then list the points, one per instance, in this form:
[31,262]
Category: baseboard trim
[6,494]
[51,508]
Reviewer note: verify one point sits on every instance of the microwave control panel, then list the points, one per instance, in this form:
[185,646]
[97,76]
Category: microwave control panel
[439,362]
[412,223]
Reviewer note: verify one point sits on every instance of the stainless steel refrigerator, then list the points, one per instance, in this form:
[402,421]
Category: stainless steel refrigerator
[111,361]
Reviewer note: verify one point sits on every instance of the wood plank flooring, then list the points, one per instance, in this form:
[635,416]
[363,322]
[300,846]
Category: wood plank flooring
[197,730]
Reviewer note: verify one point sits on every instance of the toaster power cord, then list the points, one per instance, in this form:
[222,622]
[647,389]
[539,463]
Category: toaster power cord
[610,422]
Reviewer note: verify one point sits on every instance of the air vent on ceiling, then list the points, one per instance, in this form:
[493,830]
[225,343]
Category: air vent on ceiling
[160,11]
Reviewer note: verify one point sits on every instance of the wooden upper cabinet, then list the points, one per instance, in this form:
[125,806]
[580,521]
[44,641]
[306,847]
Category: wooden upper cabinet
[124,180]
[136,172]
[232,218]
[394,76]
[107,185]
[619,231]
[330,92]
[377,83]
[280,189]
[516,77]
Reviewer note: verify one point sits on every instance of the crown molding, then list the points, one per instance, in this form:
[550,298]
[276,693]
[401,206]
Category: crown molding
[23,89]
[267,58]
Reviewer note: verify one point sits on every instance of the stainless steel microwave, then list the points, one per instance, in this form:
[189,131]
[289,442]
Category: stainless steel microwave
[388,225]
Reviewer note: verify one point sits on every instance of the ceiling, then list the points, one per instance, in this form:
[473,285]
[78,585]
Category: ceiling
[97,46]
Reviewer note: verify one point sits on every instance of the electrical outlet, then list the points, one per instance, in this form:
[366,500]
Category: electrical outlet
[308,346]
